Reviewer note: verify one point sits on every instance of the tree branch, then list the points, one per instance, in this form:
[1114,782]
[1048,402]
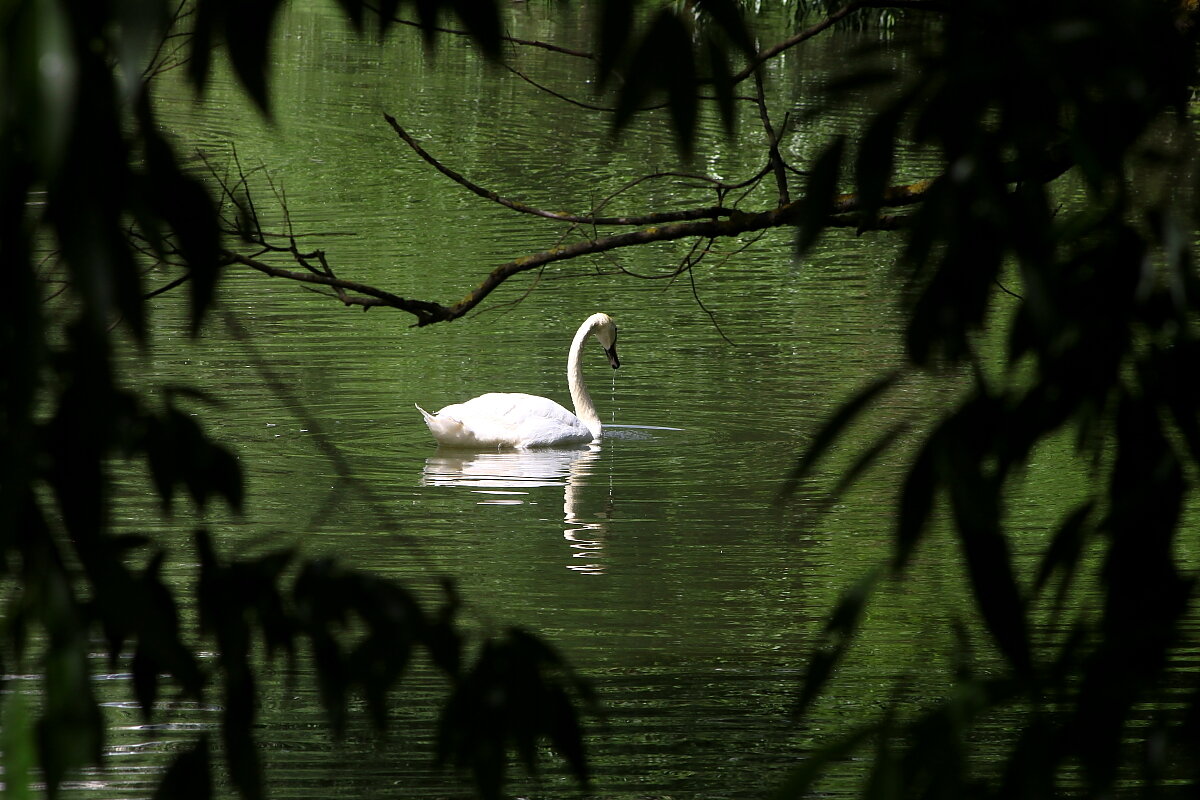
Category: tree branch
[427,312]
[424,311]
[770,52]
[711,212]
[737,224]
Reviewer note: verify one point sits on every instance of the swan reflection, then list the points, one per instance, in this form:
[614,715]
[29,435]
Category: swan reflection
[506,478]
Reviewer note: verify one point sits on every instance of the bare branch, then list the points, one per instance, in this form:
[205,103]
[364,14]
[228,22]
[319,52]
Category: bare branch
[776,159]
[737,224]
[554,48]
[425,312]
[837,16]
[712,212]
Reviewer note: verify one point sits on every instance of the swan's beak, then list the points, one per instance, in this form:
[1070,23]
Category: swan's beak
[611,352]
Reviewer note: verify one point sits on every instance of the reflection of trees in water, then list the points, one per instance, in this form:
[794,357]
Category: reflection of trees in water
[511,474]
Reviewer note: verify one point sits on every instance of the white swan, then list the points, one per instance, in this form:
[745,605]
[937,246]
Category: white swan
[497,420]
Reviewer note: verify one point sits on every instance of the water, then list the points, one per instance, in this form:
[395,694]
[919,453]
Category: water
[658,561]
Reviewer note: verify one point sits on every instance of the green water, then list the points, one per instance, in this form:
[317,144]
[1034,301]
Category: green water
[656,561]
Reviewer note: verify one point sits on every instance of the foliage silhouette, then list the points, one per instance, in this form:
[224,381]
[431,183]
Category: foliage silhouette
[1011,96]
[1098,344]
[82,162]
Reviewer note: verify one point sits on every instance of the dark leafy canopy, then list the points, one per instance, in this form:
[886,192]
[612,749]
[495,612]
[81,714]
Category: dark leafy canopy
[81,162]
[1102,344]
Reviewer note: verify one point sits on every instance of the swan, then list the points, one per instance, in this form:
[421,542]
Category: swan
[511,419]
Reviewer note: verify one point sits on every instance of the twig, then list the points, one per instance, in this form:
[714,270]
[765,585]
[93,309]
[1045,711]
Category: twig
[516,205]
[768,53]
[554,48]
[711,316]
[736,225]
[424,311]
[182,279]
[776,159]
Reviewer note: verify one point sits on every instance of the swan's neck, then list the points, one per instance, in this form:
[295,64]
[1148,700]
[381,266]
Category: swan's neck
[584,408]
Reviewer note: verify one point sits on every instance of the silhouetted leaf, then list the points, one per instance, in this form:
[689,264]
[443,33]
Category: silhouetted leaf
[818,196]
[225,476]
[663,63]
[1029,770]
[876,153]
[975,501]
[835,640]
[916,502]
[722,83]
[482,19]
[866,458]
[145,679]
[247,33]
[189,776]
[332,679]
[614,24]
[1065,548]
[727,14]
[241,754]
[354,11]
[515,693]
[800,781]
[193,217]
[387,13]
[201,42]
[832,429]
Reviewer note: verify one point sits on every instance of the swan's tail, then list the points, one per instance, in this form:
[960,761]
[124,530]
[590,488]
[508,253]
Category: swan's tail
[446,429]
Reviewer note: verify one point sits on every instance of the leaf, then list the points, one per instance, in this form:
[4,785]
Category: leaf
[822,185]
[332,679]
[832,430]
[482,20]
[145,679]
[876,153]
[354,10]
[193,216]
[201,42]
[614,25]
[727,14]
[800,782]
[566,735]
[189,776]
[1029,771]
[722,82]
[1065,548]
[225,476]
[663,62]
[387,14]
[916,502]
[184,204]
[868,457]
[975,501]
[836,640]
[248,36]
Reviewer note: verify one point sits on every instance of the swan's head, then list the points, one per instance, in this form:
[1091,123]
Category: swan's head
[606,332]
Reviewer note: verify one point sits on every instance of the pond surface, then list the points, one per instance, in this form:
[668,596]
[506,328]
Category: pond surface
[658,561]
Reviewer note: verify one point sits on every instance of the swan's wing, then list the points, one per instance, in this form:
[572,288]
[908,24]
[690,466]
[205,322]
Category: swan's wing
[503,419]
